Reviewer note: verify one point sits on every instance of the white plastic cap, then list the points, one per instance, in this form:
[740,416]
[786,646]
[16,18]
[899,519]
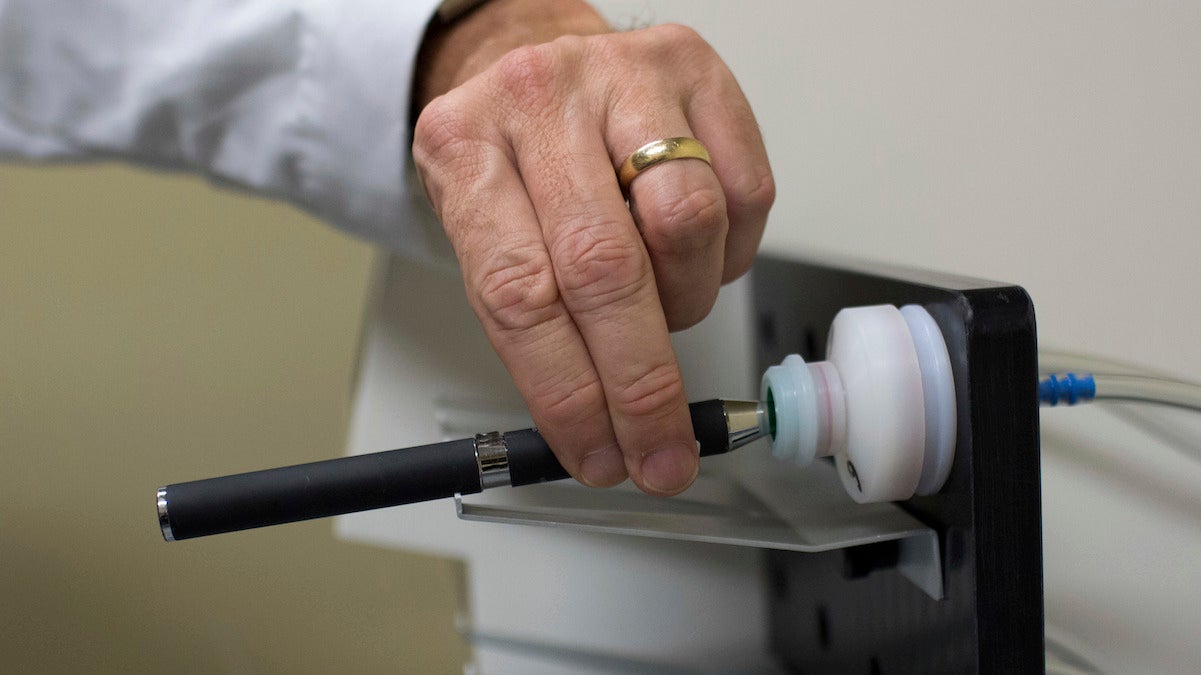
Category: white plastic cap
[886,420]
[883,404]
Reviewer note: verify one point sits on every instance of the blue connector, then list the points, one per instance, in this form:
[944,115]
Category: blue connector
[1070,389]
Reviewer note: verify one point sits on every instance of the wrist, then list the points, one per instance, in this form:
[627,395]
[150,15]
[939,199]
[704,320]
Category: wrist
[455,51]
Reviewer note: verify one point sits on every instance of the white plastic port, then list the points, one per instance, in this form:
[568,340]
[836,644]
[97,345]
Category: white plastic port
[805,405]
[882,404]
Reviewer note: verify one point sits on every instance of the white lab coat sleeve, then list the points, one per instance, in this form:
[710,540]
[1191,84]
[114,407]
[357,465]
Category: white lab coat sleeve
[307,100]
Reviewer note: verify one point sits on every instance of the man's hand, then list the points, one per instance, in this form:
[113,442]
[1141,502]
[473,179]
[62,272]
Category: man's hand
[518,147]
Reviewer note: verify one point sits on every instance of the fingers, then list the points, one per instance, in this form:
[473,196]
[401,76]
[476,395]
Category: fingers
[702,225]
[716,109]
[679,205]
[577,289]
[680,210]
[512,287]
[723,121]
[608,286]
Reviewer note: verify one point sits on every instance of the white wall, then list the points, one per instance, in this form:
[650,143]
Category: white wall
[1053,145]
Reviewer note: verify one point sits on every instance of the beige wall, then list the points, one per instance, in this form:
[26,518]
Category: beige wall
[153,330]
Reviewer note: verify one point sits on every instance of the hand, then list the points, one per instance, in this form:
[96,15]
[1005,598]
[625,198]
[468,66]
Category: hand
[576,290]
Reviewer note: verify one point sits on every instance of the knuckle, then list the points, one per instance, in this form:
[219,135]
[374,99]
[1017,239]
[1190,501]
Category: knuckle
[441,131]
[449,153]
[684,45]
[754,203]
[528,75]
[680,35]
[520,291]
[598,268]
[653,391]
[757,192]
[606,48]
[570,46]
[448,149]
[688,221]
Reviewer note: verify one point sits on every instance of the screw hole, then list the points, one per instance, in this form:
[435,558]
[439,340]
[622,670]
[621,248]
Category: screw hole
[823,627]
[767,330]
[778,578]
[809,352]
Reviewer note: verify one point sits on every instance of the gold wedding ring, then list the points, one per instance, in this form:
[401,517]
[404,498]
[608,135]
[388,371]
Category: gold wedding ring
[655,152]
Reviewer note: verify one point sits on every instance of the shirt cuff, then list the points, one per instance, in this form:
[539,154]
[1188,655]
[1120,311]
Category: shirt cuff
[353,98]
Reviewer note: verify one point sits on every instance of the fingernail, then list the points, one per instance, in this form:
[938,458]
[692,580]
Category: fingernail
[670,469]
[603,468]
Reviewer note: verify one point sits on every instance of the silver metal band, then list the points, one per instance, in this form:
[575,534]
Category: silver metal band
[493,458]
[744,422]
[164,520]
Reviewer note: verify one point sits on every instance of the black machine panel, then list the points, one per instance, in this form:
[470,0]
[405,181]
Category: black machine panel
[850,611]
